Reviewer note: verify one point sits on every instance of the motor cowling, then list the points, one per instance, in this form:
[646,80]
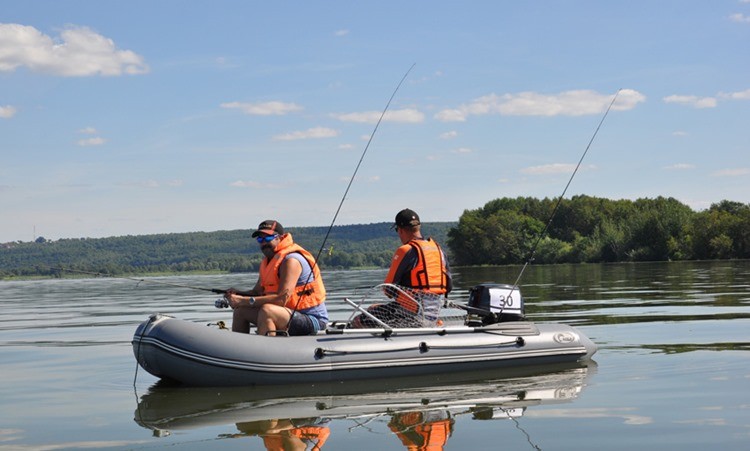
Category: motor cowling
[497,303]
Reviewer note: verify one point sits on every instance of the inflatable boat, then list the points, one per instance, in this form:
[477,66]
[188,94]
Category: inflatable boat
[490,334]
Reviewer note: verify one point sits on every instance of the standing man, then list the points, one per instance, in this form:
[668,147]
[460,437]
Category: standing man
[289,294]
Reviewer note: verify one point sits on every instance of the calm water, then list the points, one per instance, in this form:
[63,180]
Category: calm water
[672,371]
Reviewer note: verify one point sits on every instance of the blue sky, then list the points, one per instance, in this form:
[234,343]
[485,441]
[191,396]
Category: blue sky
[140,117]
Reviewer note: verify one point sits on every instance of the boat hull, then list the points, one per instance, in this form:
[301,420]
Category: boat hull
[194,354]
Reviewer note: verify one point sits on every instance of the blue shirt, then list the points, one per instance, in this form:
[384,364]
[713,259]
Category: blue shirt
[319,311]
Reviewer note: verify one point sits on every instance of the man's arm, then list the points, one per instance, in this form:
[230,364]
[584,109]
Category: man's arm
[403,261]
[289,274]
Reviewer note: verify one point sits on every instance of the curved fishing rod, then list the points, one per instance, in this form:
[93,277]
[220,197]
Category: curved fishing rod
[549,221]
[158,282]
[361,158]
[351,180]
[559,199]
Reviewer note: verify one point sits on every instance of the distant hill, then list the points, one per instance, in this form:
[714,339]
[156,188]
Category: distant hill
[348,246]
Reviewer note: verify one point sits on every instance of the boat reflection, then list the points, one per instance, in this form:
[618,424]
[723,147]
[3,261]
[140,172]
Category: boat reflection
[419,411]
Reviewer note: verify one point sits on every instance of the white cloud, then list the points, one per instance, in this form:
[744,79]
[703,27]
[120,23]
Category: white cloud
[346,147]
[87,131]
[407,115]
[93,141]
[451,115]
[555,168]
[462,150]
[78,52]
[567,103]
[681,166]
[679,133]
[734,172]
[255,185]
[311,133]
[274,108]
[739,95]
[340,33]
[739,18]
[7,111]
[694,101]
[449,135]
[245,184]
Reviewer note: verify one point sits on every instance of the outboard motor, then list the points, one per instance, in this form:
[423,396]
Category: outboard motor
[500,302]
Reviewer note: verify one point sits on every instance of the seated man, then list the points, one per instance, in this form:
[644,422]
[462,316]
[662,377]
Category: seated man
[418,264]
[289,294]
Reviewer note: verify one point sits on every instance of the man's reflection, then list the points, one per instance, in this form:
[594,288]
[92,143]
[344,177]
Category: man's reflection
[284,435]
[420,430]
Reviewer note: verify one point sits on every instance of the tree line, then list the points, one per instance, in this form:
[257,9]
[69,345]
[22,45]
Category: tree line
[348,246]
[591,229]
[503,231]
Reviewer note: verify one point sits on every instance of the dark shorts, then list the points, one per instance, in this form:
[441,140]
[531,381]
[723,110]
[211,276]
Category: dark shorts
[302,324]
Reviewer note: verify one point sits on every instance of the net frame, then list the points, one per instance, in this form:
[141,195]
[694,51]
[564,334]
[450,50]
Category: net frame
[414,308]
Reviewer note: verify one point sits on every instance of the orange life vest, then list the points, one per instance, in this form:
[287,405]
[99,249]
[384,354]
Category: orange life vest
[310,435]
[417,435]
[304,296]
[429,274]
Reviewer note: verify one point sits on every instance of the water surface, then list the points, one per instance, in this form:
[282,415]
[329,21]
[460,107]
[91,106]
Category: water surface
[672,371]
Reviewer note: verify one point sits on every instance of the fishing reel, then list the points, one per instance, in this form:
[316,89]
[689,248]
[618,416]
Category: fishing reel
[221,303]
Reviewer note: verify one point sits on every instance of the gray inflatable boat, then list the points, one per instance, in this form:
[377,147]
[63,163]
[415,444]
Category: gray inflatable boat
[491,335]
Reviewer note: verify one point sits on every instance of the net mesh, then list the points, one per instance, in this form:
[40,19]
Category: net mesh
[395,306]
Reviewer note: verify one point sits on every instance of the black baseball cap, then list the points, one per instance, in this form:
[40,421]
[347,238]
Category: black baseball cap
[269,227]
[406,218]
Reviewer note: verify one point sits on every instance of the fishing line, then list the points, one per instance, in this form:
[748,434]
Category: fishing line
[361,158]
[544,231]
[135,279]
[559,199]
[351,180]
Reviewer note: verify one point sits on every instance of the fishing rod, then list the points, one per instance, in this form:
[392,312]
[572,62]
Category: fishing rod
[158,282]
[361,158]
[559,199]
[351,180]
[483,312]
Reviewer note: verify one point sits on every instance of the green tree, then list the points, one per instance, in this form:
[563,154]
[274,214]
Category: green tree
[492,237]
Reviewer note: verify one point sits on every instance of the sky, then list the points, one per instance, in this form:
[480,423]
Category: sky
[144,117]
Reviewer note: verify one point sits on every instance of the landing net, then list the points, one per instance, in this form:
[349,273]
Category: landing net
[398,307]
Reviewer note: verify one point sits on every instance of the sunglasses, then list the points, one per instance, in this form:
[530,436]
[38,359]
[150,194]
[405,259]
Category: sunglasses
[266,239]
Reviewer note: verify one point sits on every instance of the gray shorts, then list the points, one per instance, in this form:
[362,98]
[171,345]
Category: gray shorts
[302,324]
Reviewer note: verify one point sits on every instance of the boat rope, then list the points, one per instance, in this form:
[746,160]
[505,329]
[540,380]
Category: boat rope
[530,258]
[422,348]
[140,280]
[322,352]
[519,341]
[349,185]
[151,319]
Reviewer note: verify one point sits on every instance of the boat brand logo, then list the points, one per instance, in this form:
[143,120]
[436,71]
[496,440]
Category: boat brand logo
[564,338]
